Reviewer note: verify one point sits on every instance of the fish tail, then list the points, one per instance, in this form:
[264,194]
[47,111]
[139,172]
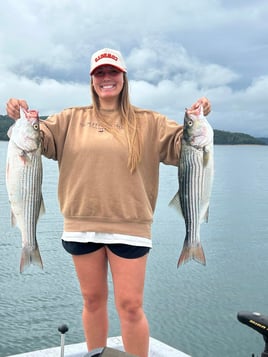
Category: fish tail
[196,253]
[30,255]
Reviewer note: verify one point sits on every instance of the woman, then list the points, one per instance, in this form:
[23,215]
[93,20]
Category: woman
[108,156]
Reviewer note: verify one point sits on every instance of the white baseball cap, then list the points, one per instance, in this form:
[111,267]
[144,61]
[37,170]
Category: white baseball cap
[107,56]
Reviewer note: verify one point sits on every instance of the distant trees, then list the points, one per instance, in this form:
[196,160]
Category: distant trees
[5,123]
[229,138]
[220,137]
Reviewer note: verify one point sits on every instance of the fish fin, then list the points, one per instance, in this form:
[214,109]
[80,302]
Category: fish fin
[196,253]
[206,157]
[24,157]
[204,216]
[9,132]
[13,219]
[175,203]
[29,256]
[42,207]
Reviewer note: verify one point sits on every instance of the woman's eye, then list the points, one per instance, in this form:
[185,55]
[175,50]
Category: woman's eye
[99,74]
[112,72]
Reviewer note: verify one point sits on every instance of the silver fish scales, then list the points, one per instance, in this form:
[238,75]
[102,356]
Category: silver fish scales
[24,181]
[195,182]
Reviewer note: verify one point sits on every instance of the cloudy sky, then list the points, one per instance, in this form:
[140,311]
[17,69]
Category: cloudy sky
[176,51]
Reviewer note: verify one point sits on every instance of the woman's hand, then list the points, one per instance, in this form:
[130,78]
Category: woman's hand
[205,103]
[13,107]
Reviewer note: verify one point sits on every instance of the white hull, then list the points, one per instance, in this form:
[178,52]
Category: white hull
[157,349]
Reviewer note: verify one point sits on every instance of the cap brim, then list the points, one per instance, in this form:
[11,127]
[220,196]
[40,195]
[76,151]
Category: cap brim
[108,64]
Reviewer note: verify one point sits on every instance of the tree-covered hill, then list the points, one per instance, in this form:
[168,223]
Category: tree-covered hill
[264,140]
[5,123]
[220,137]
[230,138]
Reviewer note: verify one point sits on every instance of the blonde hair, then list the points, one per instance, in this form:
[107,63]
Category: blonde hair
[129,121]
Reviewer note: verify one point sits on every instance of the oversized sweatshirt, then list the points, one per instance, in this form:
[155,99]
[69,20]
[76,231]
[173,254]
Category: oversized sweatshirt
[96,190]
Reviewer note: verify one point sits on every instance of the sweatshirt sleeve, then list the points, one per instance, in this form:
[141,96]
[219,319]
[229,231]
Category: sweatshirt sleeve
[53,132]
[170,135]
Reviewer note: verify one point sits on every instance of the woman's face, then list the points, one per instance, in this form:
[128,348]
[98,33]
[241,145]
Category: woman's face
[108,82]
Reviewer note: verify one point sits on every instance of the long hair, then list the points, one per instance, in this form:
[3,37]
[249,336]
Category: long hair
[129,121]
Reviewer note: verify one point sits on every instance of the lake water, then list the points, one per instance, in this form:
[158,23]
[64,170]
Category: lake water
[192,308]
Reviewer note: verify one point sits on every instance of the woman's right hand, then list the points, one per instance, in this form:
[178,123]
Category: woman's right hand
[13,107]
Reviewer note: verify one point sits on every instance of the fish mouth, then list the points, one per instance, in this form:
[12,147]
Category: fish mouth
[195,111]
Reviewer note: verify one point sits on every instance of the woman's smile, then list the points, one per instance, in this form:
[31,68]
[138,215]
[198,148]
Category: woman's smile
[107,86]
[108,82]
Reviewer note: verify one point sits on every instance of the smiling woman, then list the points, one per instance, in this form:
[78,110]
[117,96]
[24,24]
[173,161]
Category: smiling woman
[108,82]
[109,155]
[107,71]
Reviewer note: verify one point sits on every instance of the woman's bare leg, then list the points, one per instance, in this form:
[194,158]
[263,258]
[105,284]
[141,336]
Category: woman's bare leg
[128,278]
[91,270]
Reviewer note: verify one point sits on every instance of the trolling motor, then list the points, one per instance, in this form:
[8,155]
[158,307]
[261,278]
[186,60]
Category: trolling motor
[259,323]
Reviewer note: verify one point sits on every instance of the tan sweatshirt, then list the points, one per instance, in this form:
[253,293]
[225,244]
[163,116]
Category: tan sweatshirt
[96,190]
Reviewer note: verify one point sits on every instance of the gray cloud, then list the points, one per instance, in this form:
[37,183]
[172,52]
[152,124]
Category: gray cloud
[176,51]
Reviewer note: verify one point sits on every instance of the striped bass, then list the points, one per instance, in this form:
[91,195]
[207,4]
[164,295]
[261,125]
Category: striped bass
[23,182]
[195,181]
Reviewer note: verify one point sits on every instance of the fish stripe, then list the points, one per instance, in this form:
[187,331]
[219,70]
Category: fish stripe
[31,197]
[190,179]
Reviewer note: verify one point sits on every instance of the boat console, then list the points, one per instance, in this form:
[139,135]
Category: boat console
[258,322]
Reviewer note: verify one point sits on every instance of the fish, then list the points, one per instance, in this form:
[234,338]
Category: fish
[195,177]
[24,183]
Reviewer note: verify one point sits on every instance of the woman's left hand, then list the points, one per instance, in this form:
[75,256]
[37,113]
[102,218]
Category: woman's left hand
[206,105]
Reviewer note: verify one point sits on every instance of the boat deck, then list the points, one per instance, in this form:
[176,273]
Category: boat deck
[157,349]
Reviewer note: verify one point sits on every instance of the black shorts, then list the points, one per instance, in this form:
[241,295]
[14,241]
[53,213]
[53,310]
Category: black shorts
[122,250]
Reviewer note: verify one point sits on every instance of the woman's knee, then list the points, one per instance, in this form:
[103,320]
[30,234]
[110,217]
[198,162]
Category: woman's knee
[94,302]
[130,309]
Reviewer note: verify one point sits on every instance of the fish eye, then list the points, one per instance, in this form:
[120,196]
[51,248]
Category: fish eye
[36,126]
[190,122]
